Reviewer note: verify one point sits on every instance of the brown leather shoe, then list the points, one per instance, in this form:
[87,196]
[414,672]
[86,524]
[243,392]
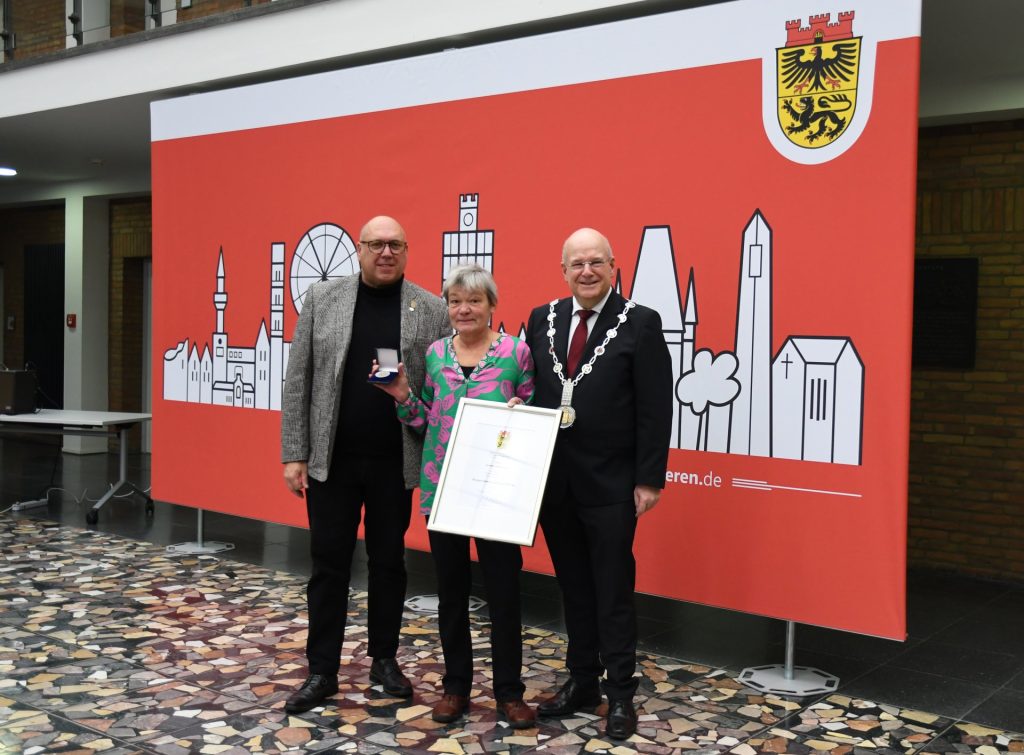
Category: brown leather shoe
[518,714]
[450,708]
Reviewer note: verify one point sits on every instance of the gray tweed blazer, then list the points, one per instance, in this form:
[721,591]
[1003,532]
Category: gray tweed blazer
[316,363]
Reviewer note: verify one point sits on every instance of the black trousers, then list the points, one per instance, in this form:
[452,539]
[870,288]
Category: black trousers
[592,551]
[501,564]
[334,508]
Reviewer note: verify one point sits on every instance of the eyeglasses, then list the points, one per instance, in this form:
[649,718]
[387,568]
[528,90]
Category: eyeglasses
[595,265]
[377,245]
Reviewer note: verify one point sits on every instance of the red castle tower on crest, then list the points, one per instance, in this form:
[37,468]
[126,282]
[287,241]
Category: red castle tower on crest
[820,30]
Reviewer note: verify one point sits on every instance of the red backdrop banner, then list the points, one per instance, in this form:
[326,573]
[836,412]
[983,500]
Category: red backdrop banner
[782,269]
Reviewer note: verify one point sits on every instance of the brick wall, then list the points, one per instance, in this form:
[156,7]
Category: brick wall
[18,229]
[39,26]
[130,245]
[203,8]
[127,17]
[967,426]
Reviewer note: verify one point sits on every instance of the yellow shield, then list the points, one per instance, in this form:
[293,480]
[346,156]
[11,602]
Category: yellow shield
[817,86]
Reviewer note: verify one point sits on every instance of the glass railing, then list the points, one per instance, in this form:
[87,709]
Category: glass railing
[30,29]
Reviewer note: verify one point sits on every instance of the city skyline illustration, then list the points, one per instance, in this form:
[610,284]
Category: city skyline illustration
[805,402]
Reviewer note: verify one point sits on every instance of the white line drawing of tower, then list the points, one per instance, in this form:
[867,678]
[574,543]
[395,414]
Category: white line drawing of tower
[220,337]
[750,423]
[468,245]
[262,377]
[656,284]
[276,323]
[689,432]
[817,400]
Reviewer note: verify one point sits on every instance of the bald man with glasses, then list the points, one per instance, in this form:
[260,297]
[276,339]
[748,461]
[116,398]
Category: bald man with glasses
[345,452]
[603,362]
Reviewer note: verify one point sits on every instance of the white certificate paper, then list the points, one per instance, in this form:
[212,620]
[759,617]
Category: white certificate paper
[494,472]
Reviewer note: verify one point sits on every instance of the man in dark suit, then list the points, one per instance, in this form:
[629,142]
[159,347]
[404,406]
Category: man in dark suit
[609,371]
[344,450]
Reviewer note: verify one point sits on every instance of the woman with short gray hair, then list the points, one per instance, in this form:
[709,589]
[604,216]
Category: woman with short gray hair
[478,363]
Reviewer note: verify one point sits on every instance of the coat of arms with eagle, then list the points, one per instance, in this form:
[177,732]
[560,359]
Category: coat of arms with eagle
[817,79]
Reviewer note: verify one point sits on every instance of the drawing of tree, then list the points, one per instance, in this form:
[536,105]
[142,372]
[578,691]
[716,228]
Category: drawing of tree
[710,382]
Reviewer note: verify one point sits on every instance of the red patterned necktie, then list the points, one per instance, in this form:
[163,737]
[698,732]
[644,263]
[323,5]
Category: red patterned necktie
[579,341]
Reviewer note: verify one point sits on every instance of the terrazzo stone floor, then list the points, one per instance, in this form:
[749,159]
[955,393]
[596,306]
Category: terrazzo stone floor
[110,645]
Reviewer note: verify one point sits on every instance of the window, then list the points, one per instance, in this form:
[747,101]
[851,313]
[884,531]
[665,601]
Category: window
[817,404]
[6,32]
[87,21]
[162,12]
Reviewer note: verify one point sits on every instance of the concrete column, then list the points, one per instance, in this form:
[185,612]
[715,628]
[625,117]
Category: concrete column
[86,284]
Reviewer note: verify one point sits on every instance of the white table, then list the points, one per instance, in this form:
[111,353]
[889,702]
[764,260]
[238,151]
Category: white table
[78,422]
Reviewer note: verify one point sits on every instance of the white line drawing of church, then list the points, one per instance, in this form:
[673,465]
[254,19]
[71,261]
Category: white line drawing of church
[805,403]
[252,377]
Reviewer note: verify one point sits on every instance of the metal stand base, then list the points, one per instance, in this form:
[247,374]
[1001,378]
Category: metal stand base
[428,603]
[22,505]
[199,547]
[796,681]
[804,681]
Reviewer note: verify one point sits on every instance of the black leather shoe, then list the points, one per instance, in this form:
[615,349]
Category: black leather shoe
[385,672]
[570,698]
[313,691]
[621,719]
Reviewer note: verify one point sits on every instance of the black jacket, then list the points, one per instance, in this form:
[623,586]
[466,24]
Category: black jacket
[623,425]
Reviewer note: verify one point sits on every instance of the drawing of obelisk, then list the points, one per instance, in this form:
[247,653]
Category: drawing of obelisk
[750,424]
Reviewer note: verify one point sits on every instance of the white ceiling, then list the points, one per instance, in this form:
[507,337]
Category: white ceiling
[971,70]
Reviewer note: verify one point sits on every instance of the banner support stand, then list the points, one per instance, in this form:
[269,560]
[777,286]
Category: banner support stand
[199,547]
[796,681]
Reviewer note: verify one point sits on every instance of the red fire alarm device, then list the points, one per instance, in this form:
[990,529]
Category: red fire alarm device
[72,320]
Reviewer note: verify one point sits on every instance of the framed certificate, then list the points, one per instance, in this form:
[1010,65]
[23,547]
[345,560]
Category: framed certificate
[494,472]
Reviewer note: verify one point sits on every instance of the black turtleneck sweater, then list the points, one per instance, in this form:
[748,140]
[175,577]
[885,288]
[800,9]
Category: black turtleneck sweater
[367,424]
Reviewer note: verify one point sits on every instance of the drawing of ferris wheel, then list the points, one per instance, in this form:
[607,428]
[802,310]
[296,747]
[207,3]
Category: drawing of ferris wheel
[324,252]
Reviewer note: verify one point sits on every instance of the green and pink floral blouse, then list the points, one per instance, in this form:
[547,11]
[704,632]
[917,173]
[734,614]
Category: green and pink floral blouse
[505,371]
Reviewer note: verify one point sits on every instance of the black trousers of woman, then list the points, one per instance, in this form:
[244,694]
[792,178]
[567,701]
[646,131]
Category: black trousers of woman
[501,564]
